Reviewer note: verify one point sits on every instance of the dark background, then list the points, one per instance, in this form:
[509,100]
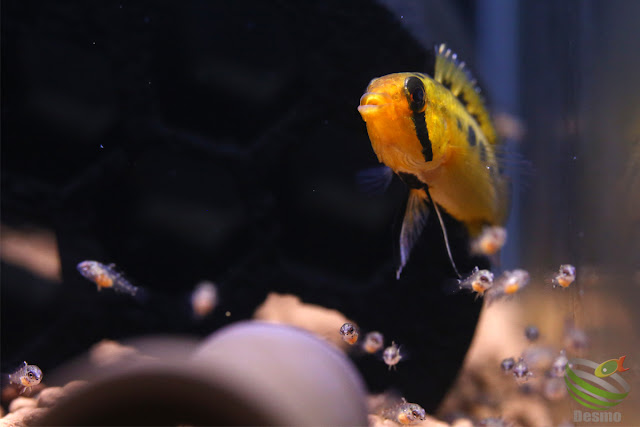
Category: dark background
[218,141]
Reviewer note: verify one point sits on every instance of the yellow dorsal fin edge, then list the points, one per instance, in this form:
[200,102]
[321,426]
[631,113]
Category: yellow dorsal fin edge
[452,73]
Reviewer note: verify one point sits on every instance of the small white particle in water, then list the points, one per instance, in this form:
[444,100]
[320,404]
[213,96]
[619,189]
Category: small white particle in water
[101,146]
[575,157]
[93,43]
[228,313]
[149,82]
[120,6]
[401,16]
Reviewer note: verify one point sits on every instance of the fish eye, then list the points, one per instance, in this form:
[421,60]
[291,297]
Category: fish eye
[414,89]
[30,374]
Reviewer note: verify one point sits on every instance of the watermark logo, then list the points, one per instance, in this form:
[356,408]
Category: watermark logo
[596,386]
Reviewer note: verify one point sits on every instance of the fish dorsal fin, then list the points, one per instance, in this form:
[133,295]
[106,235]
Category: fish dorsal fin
[452,73]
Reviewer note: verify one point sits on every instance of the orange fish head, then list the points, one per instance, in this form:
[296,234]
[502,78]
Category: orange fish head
[387,107]
[384,98]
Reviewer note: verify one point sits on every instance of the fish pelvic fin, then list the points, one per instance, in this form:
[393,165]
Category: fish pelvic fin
[415,218]
[374,180]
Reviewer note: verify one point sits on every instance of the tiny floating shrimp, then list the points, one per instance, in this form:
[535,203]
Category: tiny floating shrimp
[391,355]
[508,284]
[106,276]
[402,412]
[559,364]
[204,299]
[349,333]
[373,342]
[532,333]
[521,371]
[479,281]
[575,339]
[410,413]
[26,376]
[507,364]
[565,277]
[490,241]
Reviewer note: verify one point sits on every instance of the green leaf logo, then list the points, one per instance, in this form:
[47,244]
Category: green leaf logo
[591,391]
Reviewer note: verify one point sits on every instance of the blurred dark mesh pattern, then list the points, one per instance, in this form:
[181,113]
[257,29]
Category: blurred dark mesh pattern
[213,140]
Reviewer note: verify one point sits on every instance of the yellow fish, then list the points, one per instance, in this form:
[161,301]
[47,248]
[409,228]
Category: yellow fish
[435,133]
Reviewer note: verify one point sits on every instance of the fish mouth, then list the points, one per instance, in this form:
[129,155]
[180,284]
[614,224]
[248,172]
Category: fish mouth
[372,102]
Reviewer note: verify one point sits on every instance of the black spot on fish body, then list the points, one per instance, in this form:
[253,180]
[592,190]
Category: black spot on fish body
[447,84]
[471,136]
[483,152]
[459,124]
[411,180]
[463,100]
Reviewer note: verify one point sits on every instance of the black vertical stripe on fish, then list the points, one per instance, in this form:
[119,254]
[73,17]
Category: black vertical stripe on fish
[415,93]
[472,136]
[411,180]
[422,133]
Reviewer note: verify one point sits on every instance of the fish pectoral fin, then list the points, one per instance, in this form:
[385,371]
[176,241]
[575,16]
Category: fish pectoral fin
[374,180]
[415,218]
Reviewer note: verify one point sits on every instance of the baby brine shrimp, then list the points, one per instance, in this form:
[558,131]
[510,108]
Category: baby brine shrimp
[373,342]
[391,355]
[106,276]
[204,299]
[490,241]
[349,333]
[565,277]
[508,284]
[26,376]
[479,281]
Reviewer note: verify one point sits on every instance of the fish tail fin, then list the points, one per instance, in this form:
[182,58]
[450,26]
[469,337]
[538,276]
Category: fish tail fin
[415,218]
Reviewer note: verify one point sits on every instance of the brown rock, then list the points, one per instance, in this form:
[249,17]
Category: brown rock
[290,310]
[108,352]
[32,415]
[49,396]
[9,393]
[8,422]
[73,386]
[22,402]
